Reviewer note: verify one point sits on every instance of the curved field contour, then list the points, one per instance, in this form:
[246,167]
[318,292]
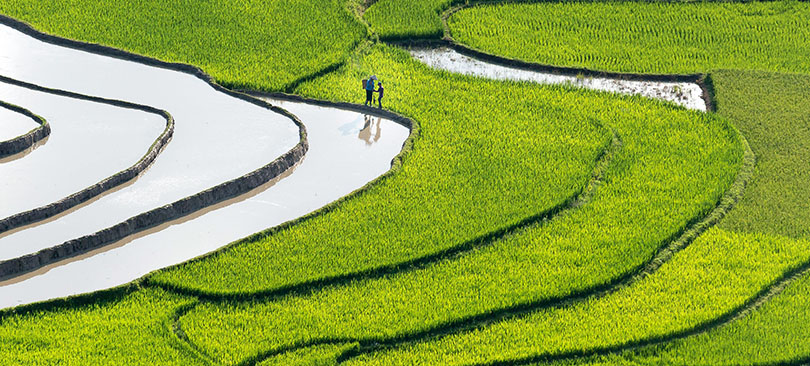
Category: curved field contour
[89,142]
[347,150]
[14,124]
[217,137]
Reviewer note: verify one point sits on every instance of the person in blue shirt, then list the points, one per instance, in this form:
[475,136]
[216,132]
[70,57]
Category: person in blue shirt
[370,90]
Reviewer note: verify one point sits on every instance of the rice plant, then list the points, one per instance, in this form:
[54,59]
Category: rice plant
[644,37]
[773,111]
[399,20]
[672,167]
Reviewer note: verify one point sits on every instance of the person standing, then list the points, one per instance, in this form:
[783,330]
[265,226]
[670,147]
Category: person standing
[370,90]
[379,98]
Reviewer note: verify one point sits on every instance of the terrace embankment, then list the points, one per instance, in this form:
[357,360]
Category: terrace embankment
[220,136]
[17,133]
[97,139]
[350,147]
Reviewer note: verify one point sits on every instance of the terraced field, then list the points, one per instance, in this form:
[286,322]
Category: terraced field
[654,37]
[522,223]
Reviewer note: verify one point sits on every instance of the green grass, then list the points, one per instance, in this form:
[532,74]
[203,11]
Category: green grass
[259,44]
[773,111]
[313,356]
[654,37]
[673,166]
[714,275]
[405,19]
[475,168]
[125,329]
[777,333]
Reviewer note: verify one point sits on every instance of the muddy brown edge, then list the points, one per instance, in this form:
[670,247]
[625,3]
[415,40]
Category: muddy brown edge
[26,141]
[52,209]
[230,189]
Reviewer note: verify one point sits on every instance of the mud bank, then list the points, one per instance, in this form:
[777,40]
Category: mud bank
[20,130]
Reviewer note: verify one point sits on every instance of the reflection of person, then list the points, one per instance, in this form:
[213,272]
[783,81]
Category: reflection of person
[379,98]
[365,133]
[370,90]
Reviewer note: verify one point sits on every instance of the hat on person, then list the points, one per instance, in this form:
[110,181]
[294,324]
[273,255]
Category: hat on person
[373,77]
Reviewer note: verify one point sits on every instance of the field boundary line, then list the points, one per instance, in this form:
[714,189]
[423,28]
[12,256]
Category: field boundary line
[186,206]
[664,254]
[51,210]
[302,288]
[369,344]
[750,305]
[174,327]
[27,141]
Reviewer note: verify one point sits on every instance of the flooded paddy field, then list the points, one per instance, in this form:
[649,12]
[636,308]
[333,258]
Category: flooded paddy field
[347,150]
[217,138]
[689,95]
[88,143]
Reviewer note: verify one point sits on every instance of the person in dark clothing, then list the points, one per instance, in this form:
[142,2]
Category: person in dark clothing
[380,90]
[370,91]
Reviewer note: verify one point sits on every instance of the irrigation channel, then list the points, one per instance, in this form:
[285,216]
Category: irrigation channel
[217,138]
[689,95]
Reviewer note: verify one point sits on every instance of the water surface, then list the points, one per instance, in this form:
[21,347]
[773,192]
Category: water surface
[689,95]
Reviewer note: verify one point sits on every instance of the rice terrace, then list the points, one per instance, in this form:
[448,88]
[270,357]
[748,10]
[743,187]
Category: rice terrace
[528,182]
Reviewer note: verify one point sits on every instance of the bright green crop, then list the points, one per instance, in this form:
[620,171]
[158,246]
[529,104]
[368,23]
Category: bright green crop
[477,167]
[313,356]
[405,19]
[773,111]
[775,334]
[667,154]
[259,44]
[487,155]
[654,37]
[714,275]
[124,328]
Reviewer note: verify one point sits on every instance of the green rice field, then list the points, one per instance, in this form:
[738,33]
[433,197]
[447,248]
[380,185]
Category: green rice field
[524,224]
[644,37]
